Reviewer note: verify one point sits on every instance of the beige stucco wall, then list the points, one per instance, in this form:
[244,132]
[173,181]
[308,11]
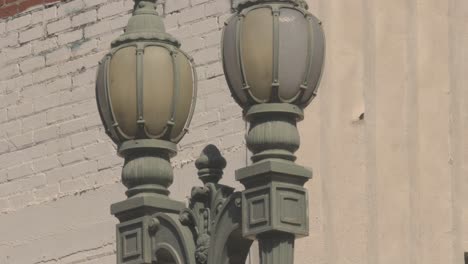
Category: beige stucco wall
[385,136]
[390,187]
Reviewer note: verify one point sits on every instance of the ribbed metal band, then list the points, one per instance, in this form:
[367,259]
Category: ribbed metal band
[193,101]
[146,145]
[246,87]
[139,86]
[249,3]
[275,82]
[305,83]
[115,124]
[270,108]
[109,118]
[239,48]
[315,42]
[175,92]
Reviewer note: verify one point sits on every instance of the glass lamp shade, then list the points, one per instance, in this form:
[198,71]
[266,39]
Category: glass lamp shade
[146,90]
[273,53]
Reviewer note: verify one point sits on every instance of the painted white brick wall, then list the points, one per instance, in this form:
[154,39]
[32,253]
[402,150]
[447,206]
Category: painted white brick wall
[59,172]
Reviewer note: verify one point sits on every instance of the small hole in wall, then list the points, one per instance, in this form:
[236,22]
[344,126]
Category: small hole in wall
[361,117]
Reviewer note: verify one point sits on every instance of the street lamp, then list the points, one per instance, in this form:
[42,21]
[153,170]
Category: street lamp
[273,54]
[146,92]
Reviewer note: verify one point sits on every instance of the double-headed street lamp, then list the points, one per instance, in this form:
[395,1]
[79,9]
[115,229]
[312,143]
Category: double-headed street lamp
[273,55]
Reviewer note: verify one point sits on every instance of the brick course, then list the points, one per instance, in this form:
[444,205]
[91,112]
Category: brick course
[12,7]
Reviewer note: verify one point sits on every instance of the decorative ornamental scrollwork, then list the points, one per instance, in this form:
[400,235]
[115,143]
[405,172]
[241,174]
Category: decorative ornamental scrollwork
[204,206]
[209,207]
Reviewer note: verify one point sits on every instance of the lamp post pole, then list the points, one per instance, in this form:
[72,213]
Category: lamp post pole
[273,54]
[274,208]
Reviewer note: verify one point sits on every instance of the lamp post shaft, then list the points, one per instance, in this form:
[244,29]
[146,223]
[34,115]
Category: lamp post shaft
[274,203]
[274,136]
[276,248]
[273,54]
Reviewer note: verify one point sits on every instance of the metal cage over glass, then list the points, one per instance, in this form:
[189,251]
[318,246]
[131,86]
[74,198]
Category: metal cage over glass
[146,86]
[273,53]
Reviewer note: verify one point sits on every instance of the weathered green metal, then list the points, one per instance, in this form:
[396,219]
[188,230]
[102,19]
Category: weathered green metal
[149,230]
[210,165]
[247,3]
[274,202]
[108,113]
[274,182]
[219,224]
[144,31]
[238,80]
[145,25]
[147,168]
[214,215]
[275,10]
[276,248]
[273,132]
